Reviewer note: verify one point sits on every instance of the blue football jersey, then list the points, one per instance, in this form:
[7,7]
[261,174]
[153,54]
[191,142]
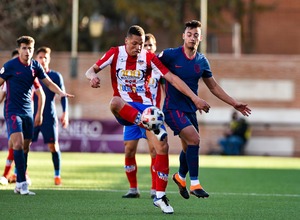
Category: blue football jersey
[19,80]
[189,70]
[49,113]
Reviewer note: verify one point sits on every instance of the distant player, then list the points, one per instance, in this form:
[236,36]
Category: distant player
[19,75]
[49,126]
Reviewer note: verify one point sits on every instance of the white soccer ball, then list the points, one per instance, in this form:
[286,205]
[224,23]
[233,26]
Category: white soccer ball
[152,118]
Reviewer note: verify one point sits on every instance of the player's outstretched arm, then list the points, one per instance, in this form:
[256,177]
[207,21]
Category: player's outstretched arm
[179,84]
[217,90]
[54,88]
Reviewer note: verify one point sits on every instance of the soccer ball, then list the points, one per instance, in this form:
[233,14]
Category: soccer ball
[152,118]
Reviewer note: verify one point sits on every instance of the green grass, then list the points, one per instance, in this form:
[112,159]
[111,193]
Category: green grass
[93,183]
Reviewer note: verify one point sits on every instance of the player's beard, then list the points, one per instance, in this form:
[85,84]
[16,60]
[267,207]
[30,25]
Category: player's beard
[192,47]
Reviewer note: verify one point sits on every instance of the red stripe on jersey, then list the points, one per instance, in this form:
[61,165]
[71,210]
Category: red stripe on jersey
[129,74]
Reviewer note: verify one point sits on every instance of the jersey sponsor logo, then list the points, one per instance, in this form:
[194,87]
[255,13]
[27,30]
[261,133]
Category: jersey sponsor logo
[18,73]
[177,66]
[132,88]
[2,70]
[162,176]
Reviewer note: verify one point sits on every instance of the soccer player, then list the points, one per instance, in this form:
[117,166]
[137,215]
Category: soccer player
[133,133]
[19,75]
[49,126]
[180,111]
[6,178]
[131,67]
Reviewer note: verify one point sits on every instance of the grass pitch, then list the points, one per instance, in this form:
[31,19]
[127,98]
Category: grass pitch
[93,183]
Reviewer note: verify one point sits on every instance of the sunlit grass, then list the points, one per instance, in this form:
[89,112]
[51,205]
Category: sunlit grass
[93,183]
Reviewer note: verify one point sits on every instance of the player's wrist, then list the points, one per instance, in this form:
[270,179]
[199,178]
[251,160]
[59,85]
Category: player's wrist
[90,75]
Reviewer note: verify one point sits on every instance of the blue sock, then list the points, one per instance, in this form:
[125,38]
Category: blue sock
[25,160]
[192,157]
[183,167]
[20,165]
[56,162]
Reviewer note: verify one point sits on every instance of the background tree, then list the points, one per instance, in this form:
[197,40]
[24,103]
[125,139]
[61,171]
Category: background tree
[49,21]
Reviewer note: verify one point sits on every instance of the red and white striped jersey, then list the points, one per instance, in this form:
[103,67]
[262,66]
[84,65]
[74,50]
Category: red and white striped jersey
[131,76]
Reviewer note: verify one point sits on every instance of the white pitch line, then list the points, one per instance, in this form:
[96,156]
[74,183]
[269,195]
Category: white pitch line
[175,192]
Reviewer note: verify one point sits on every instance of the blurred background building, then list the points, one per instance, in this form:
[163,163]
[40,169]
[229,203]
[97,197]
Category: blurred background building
[263,72]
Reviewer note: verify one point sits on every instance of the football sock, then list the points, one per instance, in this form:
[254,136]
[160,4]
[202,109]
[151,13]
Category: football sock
[25,160]
[10,155]
[7,168]
[20,165]
[192,157]
[131,171]
[56,156]
[162,171]
[130,114]
[153,174]
[183,167]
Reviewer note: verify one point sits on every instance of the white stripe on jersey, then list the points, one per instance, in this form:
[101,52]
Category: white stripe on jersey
[131,74]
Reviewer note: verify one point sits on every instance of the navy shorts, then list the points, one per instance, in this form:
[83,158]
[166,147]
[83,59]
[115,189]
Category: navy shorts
[49,131]
[178,120]
[20,123]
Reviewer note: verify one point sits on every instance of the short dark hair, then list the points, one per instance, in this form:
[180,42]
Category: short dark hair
[135,30]
[25,39]
[43,50]
[149,36]
[192,24]
[14,53]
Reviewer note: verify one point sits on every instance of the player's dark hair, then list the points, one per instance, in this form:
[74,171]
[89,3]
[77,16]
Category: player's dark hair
[192,24]
[14,53]
[25,40]
[43,50]
[149,36]
[135,30]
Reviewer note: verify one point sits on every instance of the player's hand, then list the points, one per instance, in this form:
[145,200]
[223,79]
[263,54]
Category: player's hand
[201,105]
[95,82]
[243,108]
[38,120]
[67,95]
[64,120]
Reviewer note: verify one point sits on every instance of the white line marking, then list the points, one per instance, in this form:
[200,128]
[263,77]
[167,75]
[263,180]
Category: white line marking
[174,192]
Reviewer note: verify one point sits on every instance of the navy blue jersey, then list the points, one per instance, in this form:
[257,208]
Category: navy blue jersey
[49,113]
[19,80]
[190,71]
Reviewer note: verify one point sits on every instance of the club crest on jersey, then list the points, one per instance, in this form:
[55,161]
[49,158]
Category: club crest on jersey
[162,176]
[140,62]
[197,68]
[2,70]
